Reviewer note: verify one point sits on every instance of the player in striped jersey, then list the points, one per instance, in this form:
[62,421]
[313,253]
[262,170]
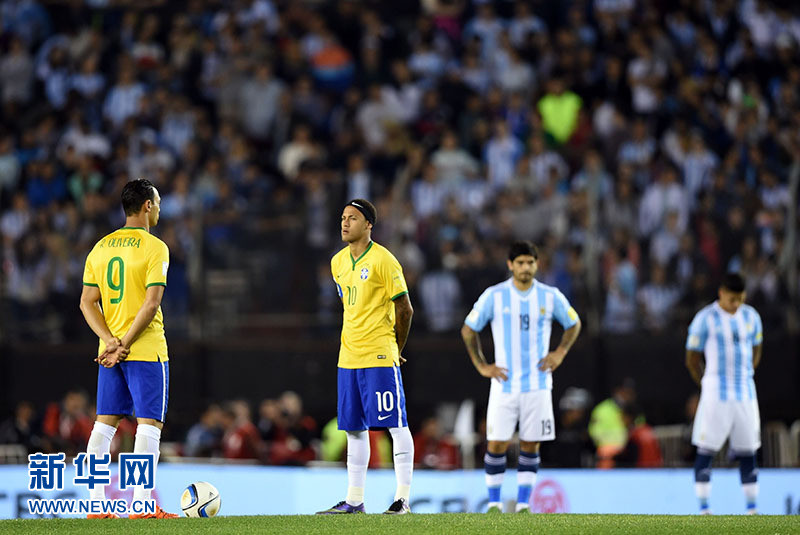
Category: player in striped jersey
[728,334]
[521,311]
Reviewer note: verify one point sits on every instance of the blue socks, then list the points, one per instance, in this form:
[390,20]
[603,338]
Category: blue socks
[748,471]
[495,466]
[526,476]
[702,478]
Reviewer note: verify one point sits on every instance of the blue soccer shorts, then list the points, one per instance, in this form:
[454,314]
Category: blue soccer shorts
[371,397]
[137,388]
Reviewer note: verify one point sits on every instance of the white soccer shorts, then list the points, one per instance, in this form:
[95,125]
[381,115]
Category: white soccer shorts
[533,410]
[717,421]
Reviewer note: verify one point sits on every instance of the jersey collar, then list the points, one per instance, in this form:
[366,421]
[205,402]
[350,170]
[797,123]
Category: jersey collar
[525,294]
[725,312]
[132,228]
[355,261]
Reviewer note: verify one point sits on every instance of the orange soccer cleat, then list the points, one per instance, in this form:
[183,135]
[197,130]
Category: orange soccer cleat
[160,513]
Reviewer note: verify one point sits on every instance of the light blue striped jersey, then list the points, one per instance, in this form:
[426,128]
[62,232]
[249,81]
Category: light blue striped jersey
[521,324]
[727,340]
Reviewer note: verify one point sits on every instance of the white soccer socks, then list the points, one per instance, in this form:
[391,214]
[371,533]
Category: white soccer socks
[148,439]
[100,444]
[357,462]
[403,450]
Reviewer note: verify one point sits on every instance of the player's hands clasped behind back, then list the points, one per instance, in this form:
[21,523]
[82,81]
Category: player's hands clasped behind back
[553,360]
[115,352]
[493,371]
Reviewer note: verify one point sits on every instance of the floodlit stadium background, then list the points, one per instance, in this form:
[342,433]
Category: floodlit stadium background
[647,147]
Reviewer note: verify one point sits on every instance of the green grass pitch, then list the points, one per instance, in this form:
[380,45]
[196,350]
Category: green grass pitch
[448,524]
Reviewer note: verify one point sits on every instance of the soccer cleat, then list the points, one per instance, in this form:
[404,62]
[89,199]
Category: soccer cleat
[103,515]
[524,509]
[160,513]
[706,512]
[752,511]
[494,508]
[399,507]
[343,508]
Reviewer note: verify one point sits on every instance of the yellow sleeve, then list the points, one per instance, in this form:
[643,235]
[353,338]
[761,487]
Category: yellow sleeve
[88,273]
[157,265]
[393,279]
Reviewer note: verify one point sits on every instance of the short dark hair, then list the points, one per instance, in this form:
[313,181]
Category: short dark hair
[733,282]
[523,247]
[135,193]
[366,208]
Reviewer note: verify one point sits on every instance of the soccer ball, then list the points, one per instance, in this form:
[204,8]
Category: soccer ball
[200,500]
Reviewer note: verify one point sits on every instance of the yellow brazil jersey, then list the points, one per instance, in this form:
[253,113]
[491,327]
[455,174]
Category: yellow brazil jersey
[368,286]
[123,265]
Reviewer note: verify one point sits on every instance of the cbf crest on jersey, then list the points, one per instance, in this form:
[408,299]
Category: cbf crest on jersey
[364,274]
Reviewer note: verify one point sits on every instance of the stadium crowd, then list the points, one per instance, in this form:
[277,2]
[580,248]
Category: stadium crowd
[279,432]
[646,146]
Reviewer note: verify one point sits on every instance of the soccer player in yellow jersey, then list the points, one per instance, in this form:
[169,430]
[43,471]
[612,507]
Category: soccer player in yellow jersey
[377,318]
[123,283]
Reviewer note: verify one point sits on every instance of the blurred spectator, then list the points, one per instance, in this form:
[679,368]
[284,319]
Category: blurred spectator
[21,428]
[434,449]
[642,449]
[657,299]
[440,293]
[572,447]
[292,433]
[67,425]
[607,424]
[16,76]
[124,98]
[203,438]
[241,439]
[559,109]
[660,198]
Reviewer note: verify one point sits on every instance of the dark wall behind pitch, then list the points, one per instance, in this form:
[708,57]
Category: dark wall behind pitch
[438,370]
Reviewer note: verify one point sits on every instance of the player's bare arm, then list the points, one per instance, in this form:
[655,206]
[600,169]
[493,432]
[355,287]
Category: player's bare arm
[696,364]
[92,313]
[402,322]
[757,355]
[146,313]
[554,359]
[473,342]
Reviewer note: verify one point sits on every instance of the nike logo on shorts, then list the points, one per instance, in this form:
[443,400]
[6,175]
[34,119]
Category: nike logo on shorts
[380,418]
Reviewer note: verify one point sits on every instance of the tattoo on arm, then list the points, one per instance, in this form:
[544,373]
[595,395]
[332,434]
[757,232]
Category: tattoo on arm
[569,337]
[402,321]
[473,342]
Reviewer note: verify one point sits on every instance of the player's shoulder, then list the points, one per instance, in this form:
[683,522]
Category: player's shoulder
[705,311]
[547,288]
[750,310]
[382,253]
[154,240]
[500,286]
[152,245]
[340,255]
[101,243]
